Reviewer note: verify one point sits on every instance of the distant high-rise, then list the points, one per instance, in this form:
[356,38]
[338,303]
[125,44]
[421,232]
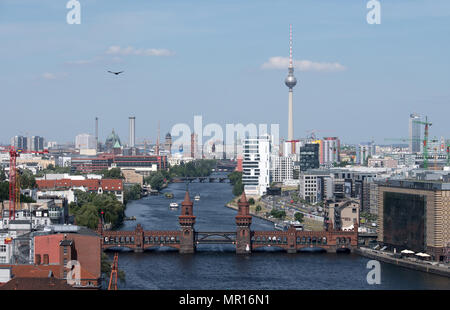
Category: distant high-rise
[19,142]
[168,144]
[414,133]
[132,132]
[96,133]
[36,143]
[330,150]
[85,141]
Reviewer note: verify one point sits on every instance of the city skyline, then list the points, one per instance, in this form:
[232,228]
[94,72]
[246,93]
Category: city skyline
[182,58]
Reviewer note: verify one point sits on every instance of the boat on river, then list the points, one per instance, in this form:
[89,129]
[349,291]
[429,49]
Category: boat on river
[173,205]
[197,197]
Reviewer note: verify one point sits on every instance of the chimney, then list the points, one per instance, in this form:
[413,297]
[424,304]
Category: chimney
[132,133]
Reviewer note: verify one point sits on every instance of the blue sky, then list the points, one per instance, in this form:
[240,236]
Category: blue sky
[185,58]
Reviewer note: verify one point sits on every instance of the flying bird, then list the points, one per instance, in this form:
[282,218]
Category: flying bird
[116,73]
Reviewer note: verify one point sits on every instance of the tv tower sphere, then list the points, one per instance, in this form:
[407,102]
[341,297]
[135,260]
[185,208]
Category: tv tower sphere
[290,80]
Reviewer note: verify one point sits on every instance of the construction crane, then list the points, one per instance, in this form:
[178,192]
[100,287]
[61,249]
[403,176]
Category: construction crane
[14,186]
[425,141]
[113,276]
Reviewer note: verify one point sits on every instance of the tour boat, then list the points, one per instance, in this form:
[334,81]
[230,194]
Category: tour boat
[173,205]
[197,197]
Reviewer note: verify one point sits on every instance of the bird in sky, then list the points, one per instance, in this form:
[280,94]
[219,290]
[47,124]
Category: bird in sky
[116,73]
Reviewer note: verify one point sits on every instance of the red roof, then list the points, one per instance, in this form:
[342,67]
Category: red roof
[90,184]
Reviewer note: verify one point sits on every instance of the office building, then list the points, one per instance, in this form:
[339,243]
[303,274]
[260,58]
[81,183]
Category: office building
[330,149]
[309,156]
[281,168]
[85,141]
[414,215]
[19,142]
[256,165]
[414,134]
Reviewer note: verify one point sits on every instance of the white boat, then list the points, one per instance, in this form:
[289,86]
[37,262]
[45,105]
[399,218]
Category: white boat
[173,205]
[197,197]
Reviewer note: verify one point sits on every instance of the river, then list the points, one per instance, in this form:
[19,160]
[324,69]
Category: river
[218,267]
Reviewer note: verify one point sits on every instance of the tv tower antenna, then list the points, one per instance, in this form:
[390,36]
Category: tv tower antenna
[290,82]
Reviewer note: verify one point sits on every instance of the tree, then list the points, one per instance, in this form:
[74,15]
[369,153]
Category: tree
[114,173]
[298,216]
[238,188]
[258,208]
[106,269]
[156,180]
[132,193]
[27,179]
[251,201]
[2,174]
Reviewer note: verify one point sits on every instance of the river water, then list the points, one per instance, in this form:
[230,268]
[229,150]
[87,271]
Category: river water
[218,267]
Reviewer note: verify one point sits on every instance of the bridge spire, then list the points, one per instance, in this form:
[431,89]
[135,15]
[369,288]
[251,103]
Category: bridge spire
[187,221]
[243,222]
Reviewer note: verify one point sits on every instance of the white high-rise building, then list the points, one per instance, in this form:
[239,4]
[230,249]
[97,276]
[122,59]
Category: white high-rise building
[414,134]
[85,141]
[256,164]
[282,168]
[330,150]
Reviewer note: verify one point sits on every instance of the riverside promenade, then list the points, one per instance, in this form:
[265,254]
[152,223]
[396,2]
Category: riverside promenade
[407,262]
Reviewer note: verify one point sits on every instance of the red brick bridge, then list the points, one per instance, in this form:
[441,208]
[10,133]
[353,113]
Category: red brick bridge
[245,240]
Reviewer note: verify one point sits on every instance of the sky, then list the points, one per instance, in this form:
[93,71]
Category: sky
[224,60]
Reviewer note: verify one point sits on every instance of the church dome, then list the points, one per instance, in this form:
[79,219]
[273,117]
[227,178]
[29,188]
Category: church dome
[112,140]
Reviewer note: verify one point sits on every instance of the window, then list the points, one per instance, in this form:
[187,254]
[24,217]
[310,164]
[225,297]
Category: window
[2,248]
[65,250]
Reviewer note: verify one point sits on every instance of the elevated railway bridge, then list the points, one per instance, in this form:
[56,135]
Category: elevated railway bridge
[245,240]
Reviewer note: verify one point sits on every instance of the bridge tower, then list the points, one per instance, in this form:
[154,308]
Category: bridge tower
[187,221]
[243,222]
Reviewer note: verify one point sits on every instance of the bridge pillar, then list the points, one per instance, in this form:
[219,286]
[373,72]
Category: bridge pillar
[243,222]
[187,221]
[291,240]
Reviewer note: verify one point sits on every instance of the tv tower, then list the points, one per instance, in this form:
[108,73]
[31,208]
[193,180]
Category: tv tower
[290,82]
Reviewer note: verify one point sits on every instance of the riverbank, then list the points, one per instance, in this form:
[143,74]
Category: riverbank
[234,207]
[434,268]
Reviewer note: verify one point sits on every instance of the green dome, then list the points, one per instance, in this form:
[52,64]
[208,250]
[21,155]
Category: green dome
[112,141]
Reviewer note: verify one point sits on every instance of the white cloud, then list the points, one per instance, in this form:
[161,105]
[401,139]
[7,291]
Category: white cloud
[80,62]
[302,65]
[117,50]
[53,76]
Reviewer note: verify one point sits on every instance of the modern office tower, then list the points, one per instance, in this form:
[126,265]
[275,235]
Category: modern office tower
[414,215]
[290,82]
[85,141]
[36,143]
[309,156]
[363,151]
[256,164]
[168,143]
[330,150]
[19,142]
[282,168]
[132,131]
[414,134]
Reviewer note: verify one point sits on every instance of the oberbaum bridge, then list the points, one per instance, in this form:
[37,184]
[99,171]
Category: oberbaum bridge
[245,240]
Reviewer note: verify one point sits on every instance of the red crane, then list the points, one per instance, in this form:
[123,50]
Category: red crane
[113,276]
[14,188]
